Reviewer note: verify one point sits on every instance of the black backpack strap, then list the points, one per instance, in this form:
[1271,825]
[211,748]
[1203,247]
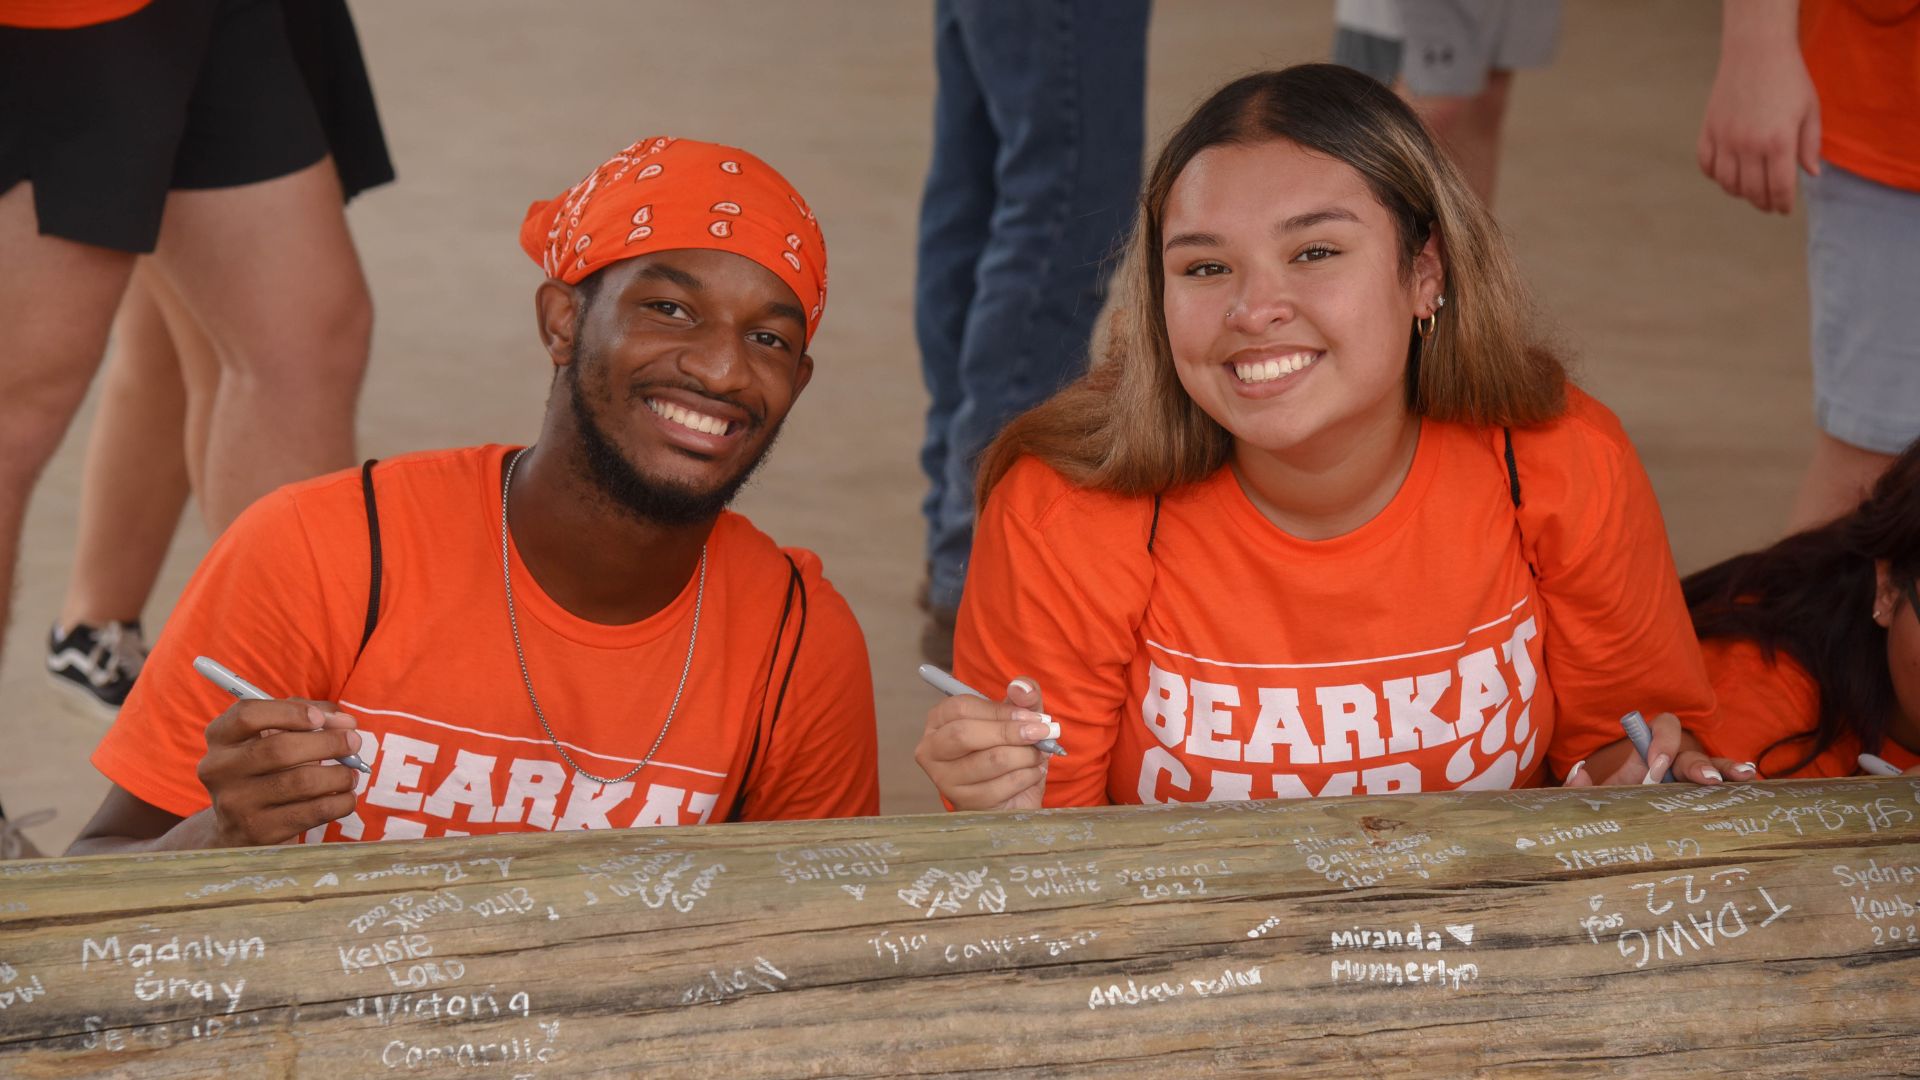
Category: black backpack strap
[1513,492]
[1513,470]
[373,551]
[796,586]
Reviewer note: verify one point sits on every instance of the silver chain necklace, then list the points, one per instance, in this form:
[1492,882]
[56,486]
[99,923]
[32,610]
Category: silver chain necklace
[506,575]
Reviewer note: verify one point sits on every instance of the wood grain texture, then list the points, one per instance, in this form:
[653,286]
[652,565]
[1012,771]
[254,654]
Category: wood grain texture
[1759,929]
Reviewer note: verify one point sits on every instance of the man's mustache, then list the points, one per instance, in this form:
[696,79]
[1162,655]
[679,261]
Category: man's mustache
[640,391]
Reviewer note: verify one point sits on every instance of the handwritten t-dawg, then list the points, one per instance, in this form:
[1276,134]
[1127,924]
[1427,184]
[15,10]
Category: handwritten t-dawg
[1454,641]
[452,740]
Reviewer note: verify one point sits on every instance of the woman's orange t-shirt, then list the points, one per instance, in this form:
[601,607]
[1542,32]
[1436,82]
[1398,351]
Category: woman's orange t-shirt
[1864,59]
[450,734]
[65,14]
[1418,652]
[1763,702]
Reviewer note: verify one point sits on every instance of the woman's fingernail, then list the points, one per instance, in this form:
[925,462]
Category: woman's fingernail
[1745,768]
[1575,771]
[1036,732]
[341,719]
[1713,774]
[315,717]
[1028,716]
[1656,769]
[1022,684]
[358,742]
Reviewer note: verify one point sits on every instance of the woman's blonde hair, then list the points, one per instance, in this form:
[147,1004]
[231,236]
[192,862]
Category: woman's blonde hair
[1129,426]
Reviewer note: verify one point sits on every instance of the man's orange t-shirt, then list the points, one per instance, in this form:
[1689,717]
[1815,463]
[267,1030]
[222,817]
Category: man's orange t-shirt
[1765,703]
[451,737]
[1418,652]
[65,14]
[1864,59]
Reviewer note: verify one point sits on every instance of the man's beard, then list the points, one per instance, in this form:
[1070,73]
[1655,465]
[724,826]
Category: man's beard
[658,502]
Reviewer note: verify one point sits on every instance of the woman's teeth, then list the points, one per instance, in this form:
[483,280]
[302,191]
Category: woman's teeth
[687,418]
[1259,371]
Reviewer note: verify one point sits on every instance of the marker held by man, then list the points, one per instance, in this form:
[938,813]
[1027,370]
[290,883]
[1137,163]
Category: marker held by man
[1642,739]
[953,687]
[1879,766]
[217,674]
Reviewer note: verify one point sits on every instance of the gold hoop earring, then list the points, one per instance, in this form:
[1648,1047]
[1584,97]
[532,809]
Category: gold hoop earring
[1426,325]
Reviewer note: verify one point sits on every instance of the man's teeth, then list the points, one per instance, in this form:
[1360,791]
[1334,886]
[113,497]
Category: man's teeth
[1257,371]
[687,418]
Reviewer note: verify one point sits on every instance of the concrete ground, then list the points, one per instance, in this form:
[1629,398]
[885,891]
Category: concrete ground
[1687,309]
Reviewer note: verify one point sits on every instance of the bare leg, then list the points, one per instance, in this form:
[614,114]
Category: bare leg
[134,482]
[200,371]
[1469,127]
[56,302]
[269,271]
[1836,480]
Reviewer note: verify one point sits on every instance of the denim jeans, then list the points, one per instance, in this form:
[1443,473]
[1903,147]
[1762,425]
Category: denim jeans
[1037,134]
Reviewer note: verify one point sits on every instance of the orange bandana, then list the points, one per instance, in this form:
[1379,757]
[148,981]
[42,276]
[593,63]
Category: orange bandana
[665,194]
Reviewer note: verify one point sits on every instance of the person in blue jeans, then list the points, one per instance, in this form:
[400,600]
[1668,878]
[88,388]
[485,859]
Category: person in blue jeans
[1037,135]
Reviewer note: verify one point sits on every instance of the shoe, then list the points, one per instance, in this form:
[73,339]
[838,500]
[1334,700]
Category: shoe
[100,661]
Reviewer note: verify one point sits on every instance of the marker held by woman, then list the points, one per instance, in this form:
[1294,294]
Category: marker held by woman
[217,674]
[953,687]
[1879,766]
[1641,737]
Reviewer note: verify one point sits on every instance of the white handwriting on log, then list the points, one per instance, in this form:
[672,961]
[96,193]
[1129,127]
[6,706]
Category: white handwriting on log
[450,872]
[258,883]
[1353,862]
[1056,878]
[860,859]
[18,991]
[938,891]
[406,961]
[1436,972]
[1174,880]
[519,1050]
[1111,995]
[1694,915]
[761,975]
[486,1004]
[658,879]
[1892,918]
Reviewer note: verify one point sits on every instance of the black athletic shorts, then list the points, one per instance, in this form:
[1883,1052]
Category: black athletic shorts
[328,51]
[106,119]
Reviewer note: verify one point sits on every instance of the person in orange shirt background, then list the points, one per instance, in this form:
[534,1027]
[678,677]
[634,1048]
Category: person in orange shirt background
[571,635]
[1324,520]
[1833,87]
[1813,644]
[180,128]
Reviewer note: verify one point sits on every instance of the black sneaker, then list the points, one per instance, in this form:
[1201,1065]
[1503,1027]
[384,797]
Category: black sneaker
[101,661]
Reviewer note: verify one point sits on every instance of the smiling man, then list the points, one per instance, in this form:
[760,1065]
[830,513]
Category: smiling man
[576,634]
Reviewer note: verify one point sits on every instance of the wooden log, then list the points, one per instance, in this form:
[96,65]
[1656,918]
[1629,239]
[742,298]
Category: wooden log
[1765,929]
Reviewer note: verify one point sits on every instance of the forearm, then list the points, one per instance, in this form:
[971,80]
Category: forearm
[1758,27]
[195,833]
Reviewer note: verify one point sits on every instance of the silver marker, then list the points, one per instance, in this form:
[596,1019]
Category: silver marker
[1641,738]
[953,687]
[1878,766]
[217,674]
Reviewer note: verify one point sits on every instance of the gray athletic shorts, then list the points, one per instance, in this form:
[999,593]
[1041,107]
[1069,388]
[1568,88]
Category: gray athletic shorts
[1863,263]
[1451,45]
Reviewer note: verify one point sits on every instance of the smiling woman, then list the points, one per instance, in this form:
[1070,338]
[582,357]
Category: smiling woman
[1324,519]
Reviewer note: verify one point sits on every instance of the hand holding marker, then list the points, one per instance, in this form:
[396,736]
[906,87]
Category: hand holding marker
[217,674]
[1641,738]
[953,687]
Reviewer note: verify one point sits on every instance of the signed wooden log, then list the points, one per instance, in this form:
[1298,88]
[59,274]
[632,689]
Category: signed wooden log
[1762,929]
